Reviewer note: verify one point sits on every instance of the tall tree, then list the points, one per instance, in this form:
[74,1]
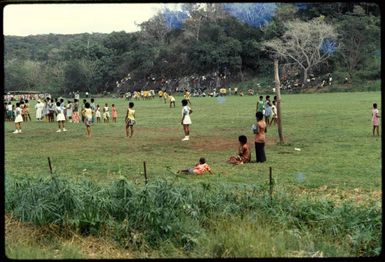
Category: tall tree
[359,37]
[306,43]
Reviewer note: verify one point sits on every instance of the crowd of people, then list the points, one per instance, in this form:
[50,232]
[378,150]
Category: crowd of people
[55,109]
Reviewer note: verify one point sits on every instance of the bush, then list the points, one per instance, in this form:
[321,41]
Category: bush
[161,212]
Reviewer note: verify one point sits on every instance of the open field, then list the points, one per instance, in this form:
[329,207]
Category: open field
[339,160]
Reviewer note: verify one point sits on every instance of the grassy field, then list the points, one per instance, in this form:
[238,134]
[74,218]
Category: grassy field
[339,160]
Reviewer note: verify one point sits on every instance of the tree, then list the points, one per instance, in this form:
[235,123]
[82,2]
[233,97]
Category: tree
[253,14]
[155,29]
[306,43]
[194,22]
[278,92]
[360,39]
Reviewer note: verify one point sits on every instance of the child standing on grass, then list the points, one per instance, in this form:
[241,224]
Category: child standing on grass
[130,119]
[244,153]
[82,108]
[60,117]
[198,169]
[69,111]
[114,113]
[98,114]
[26,107]
[106,113]
[186,120]
[267,112]
[260,138]
[23,111]
[18,119]
[274,114]
[375,118]
[75,112]
[87,114]
[93,108]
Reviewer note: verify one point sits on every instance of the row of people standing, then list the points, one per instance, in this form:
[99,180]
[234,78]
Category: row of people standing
[47,110]
[10,111]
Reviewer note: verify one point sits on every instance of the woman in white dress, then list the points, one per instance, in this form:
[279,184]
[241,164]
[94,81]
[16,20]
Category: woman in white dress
[18,119]
[60,117]
[186,120]
[39,110]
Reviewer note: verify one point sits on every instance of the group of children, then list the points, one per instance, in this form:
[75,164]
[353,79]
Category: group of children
[18,113]
[244,152]
[90,113]
[50,108]
[268,109]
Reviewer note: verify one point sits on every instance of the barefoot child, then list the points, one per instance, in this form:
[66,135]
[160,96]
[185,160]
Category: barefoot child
[260,138]
[60,117]
[18,119]
[274,114]
[114,113]
[244,153]
[87,113]
[98,114]
[198,169]
[375,117]
[186,120]
[106,113]
[130,119]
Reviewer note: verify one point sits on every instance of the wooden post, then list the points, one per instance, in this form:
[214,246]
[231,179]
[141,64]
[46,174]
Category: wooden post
[49,164]
[271,185]
[145,172]
[278,92]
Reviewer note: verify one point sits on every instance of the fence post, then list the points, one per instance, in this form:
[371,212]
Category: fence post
[145,172]
[271,185]
[49,164]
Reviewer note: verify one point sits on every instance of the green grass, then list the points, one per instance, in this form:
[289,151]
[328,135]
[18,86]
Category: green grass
[333,131]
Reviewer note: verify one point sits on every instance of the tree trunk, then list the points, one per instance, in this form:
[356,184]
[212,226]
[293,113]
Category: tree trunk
[278,93]
[241,74]
[304,83]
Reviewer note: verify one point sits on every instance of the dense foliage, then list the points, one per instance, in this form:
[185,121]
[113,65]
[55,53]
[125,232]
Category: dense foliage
[214,40]
[146,216]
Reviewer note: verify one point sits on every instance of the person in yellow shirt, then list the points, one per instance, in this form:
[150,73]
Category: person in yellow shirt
[172,100]
[160,93]
[186,96]
[165,97]
[87,113]
[130,120]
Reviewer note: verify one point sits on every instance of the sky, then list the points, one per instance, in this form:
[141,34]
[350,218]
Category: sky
[34,19]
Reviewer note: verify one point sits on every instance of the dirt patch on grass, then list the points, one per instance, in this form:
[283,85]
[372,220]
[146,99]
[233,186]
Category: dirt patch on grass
[213,144]
[221,144]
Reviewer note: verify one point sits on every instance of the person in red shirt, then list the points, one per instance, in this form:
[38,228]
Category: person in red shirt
[260,138]
[244,153]
[198,169]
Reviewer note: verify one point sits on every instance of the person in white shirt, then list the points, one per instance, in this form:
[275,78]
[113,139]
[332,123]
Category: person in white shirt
[39,110]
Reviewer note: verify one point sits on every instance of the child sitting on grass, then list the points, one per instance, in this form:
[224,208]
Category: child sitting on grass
[198,169]
[244,153]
